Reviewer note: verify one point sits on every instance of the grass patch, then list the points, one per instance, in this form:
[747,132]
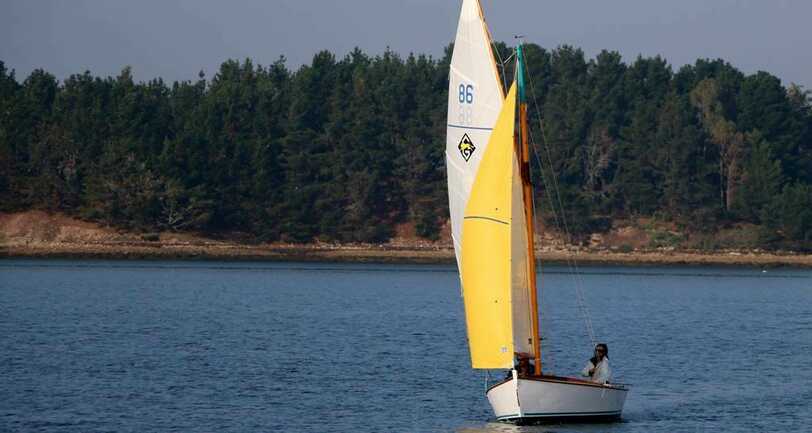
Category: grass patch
[665,239]
[738,237]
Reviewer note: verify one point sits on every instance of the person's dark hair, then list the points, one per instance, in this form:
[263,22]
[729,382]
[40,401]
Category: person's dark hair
[605,348]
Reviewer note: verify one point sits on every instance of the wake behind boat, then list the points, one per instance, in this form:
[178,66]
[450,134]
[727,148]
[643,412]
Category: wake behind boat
[492,220]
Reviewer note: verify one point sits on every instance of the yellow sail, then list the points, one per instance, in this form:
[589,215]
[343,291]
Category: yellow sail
[494,287]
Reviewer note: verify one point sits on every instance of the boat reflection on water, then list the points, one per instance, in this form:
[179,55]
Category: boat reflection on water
[500,427]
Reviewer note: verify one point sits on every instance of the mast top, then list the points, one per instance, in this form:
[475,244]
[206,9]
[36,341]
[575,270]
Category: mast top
[520,73]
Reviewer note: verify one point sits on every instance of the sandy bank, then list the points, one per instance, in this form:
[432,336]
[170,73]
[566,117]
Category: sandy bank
[37,234]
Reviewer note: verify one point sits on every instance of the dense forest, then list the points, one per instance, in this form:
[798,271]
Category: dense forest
[346,149]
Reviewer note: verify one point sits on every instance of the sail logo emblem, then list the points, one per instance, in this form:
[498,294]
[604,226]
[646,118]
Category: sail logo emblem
[466,147]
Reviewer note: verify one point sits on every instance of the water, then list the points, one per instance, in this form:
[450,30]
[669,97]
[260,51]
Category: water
[91,346]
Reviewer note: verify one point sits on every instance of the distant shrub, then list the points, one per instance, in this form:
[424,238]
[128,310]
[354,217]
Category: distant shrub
[709,244]
[600,224]
[151,237]
[703,220]
[427,225]
[665,239]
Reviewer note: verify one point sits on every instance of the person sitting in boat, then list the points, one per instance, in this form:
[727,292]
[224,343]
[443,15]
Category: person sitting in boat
[525,365]
[597,369]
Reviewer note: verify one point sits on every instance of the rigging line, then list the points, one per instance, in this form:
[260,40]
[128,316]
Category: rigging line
[562,223]
[573,273]
[501,62]
[545,321]
[572,262]
[544,316]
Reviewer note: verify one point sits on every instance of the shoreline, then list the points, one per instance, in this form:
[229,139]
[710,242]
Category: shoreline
[381,254]
[42,235]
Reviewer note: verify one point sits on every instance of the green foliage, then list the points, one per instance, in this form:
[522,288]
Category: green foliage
[343,149]
[738,237]
[665,239]
[761,181]
[791,215]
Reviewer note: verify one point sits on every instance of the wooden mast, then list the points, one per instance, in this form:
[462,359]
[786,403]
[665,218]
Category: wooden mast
[527,189]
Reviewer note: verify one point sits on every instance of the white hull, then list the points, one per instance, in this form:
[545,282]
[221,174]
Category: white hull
[549,397]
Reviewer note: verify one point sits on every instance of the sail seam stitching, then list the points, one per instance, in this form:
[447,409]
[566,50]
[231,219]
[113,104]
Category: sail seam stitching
[487,218]
[451,125]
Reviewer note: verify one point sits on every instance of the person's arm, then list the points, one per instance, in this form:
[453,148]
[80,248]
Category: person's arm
[588,370]
[603,373]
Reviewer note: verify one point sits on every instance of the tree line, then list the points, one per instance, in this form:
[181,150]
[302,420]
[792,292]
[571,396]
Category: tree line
[346,149]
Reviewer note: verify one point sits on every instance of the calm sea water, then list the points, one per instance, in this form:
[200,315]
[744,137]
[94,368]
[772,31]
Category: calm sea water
[92,346]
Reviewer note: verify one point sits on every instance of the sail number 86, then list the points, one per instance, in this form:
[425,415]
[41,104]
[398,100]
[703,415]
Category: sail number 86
[466,94]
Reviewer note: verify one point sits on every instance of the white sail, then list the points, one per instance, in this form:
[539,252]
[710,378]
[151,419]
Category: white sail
[475,99]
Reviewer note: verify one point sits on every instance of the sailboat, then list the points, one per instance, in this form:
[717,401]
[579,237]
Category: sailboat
[490,201]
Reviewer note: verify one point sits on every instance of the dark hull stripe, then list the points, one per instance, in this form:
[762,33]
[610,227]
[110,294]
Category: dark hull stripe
[558,414]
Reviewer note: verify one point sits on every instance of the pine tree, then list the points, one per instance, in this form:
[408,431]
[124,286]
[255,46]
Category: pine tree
[761,180]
